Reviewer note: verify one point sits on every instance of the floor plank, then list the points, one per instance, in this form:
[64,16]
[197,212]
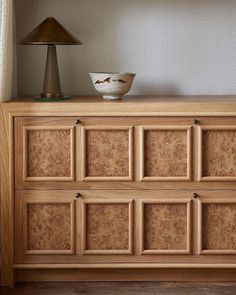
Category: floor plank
[123,288]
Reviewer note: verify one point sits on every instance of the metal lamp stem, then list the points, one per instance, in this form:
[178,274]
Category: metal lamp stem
[52,87]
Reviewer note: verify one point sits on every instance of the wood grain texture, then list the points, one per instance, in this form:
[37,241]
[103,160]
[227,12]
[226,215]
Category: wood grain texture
[126,185]
[165,153]
[110,182]
[219,226]
[49,227]
[107,153]
[44,149]
[129,106]
[164,275]
[48,153]
[106,222]
[107,226]
[165,226]
[127,288]
[112,265]
[216,223]
[45,224]
[114,257]
[6,196]
[219,156]
[163,111]
[159,153]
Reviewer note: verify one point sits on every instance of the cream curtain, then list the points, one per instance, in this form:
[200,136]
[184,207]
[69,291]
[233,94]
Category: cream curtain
[7,44]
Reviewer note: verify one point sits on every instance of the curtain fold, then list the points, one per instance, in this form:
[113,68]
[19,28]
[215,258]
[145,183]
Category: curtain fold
[7,44]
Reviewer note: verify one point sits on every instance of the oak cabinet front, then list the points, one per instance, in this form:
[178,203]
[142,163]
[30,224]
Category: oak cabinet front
[107,221]
[66,223]
[45,223]
[65,151]
[126,224]
[165,225]
[217,223]
[217,150]
[74,226]
[106,151]
[166,152]
[142,188]
[70,150]
[44,149]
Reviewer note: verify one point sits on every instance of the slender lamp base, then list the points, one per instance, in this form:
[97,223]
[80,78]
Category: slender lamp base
[52,87]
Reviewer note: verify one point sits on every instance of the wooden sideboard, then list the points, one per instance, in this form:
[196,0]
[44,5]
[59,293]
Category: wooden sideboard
[138,189]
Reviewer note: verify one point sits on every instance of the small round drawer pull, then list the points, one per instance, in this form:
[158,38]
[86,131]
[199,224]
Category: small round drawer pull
[195,121]
[78,195]
[195,195]
[78,122]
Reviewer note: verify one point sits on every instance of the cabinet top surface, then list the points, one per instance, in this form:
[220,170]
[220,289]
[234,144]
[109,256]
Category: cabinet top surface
[130,105]
[137,99]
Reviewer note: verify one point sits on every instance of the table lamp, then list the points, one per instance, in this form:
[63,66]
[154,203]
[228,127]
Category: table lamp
[51,33]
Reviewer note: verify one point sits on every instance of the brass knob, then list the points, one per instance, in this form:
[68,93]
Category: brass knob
[78,195]
[78,122]
[195,121]
[195,195]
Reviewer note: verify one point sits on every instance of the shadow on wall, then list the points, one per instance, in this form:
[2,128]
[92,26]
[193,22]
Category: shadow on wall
[158,88]
[93,24]
[174,47]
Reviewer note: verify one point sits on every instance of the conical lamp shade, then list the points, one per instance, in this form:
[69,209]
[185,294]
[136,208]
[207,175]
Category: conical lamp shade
[50,31]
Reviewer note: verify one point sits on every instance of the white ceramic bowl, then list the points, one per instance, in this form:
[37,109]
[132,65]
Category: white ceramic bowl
[112,85]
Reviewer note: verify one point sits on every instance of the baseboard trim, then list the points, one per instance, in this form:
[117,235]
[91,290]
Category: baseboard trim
[180,275]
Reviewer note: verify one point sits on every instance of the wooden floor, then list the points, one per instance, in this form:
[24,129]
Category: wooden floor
[124,288]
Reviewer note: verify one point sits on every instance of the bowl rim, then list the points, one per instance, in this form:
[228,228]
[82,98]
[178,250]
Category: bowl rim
[112,73]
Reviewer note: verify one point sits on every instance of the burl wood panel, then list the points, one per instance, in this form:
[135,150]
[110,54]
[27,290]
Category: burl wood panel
[107,226]
[48,153]
[219,153]
[219,226]
[107,153]
[165,226]
[165,153]
[49,227]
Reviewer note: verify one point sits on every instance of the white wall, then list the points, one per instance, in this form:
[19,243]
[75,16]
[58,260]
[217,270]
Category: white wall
[174,46]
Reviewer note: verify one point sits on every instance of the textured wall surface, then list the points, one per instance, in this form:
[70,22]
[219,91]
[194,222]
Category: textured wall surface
[174,46]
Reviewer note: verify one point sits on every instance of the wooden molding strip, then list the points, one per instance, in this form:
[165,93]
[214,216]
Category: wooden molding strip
[127,265]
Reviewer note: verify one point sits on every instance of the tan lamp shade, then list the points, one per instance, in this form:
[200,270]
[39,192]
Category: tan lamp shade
[51,33]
